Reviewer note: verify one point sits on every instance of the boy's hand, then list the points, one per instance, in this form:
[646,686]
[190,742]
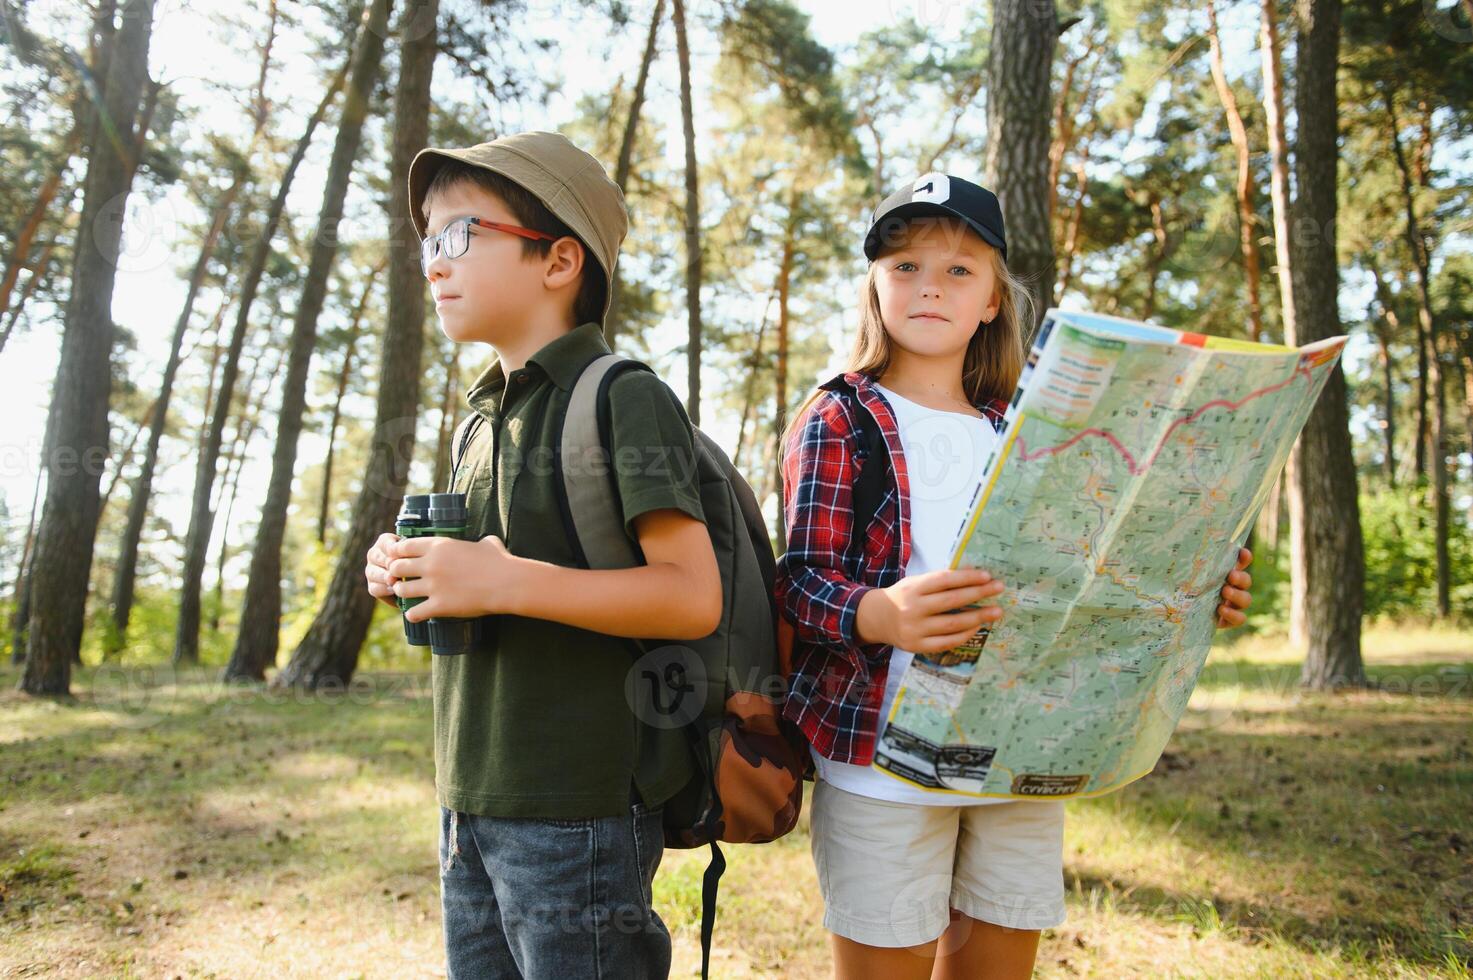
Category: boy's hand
[1235,594]
[459,578]
[925,614]
[380,582]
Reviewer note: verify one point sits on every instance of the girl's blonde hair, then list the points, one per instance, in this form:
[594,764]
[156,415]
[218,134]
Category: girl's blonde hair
[994,356]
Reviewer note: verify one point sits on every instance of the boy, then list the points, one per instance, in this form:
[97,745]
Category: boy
[549,786]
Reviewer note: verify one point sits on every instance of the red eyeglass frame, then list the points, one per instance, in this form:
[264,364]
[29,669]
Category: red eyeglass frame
[517,230]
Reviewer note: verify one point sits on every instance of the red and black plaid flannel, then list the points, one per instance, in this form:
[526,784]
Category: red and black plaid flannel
[837,683]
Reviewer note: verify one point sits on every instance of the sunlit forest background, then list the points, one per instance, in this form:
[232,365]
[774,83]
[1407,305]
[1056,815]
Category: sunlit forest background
[220,376]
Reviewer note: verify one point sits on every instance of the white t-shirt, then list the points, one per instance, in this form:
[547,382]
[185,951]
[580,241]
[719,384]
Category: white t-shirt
[944,456]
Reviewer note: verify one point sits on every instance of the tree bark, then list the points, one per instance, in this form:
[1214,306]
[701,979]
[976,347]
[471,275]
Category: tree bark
[1239,134]
[257,641]
[1273,108]
[1427,320]
[626,153]
[201,517]
[1024,34]
[1324,514]
[64,544]
[692,225]
[337,403]
[328,654]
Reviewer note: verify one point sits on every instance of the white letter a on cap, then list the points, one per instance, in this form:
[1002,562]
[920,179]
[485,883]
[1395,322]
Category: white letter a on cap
[932,187]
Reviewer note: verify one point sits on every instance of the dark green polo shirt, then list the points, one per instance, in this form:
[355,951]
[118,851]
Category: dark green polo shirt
[536,724]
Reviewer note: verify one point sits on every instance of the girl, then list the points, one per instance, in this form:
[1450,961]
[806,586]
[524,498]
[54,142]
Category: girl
[916,884]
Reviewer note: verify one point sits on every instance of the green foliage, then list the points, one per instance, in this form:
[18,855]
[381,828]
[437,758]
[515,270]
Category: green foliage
[1401,564]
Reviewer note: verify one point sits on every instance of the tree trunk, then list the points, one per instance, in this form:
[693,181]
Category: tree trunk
[1239,135]
[1071,229]
[328,654]
[754,364]
[123,578]
[80,394]
[1064,120]
[1422,264]
[1386,327]
[20,249]
[337,402]
[86,110]
[245,430]
[1160,252]
[123,457]
[692,225]
[626,154]
[21,614]
[201,517]
[228,495]
[1324,515]
[1465,351]
[257,641]
[1273,108]
[780,372]
[1024,33]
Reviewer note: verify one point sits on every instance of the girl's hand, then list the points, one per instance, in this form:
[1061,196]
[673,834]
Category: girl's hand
[1235,594]
[461,579]
[926,614]
[380,582]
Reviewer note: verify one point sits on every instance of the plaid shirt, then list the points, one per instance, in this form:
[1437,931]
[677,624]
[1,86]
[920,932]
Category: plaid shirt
[836,684]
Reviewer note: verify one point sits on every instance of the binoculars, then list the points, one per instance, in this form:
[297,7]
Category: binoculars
[440,515]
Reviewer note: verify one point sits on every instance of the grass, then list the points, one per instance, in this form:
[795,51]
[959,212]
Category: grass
[159,824]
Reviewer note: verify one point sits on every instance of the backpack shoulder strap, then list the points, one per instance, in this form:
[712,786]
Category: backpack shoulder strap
[583,474]
[459,442]
[869,486]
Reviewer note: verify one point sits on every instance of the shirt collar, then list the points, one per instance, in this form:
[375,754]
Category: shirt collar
[562,360]
[862,381]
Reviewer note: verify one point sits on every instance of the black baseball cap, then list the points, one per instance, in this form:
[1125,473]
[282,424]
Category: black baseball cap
[940,195]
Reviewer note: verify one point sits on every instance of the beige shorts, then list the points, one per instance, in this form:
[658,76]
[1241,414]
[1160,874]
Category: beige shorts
[891,872]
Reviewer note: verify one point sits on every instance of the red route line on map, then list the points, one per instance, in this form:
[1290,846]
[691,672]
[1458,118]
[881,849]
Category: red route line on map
[1129,459]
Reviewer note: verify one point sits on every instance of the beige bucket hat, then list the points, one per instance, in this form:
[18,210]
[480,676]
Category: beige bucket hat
[570,182]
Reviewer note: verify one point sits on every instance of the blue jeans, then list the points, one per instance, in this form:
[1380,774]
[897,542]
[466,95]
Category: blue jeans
[547,899]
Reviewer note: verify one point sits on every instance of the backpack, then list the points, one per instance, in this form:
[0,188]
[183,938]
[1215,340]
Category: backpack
[867,494]
[725,691]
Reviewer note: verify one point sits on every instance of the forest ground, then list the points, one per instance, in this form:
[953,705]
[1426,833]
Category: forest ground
[161,825]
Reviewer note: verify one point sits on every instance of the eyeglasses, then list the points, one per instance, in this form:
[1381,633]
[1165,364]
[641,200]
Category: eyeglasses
[455,238]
